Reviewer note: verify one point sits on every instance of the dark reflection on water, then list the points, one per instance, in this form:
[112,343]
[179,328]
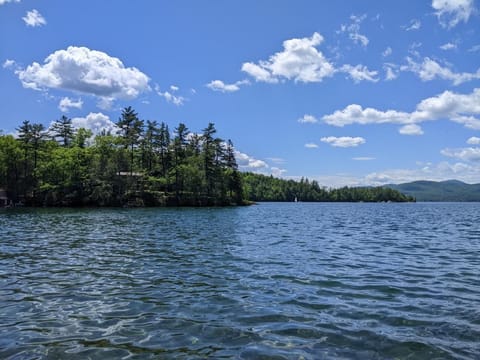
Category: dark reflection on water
[274,281]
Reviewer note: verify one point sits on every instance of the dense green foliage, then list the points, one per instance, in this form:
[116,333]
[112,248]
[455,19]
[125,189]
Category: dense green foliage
[450,190]
[267,188]
[142,165]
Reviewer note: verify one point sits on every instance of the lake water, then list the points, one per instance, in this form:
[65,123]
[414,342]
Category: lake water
[272,281]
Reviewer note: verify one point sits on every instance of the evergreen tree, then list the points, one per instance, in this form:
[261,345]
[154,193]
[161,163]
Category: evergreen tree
[209,156]
[179,154]
[131,128]
[64,130]
[25,137]
[229,156]
[233,176]
[149,145]
[37,136]
[81,136]
[163,143]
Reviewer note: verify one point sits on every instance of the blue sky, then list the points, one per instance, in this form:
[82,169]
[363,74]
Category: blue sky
[345,92]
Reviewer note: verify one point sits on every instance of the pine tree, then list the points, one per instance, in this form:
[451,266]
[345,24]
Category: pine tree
[179,154]
[64,130]
[25,137]
[209,154]
[131,128]
[163,143]
[149,144]
[234,178]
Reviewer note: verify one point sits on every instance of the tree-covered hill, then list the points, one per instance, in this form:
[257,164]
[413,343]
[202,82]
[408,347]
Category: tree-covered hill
[267,188]
[450,190]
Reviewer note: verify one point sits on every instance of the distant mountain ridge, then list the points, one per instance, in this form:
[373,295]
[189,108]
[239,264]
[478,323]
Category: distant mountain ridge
[449,190]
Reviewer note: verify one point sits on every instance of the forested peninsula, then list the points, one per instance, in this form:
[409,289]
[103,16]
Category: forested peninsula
[143,164]
[268,188]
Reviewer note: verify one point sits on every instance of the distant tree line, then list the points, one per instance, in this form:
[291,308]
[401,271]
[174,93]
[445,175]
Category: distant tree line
[268,188]
[144,164]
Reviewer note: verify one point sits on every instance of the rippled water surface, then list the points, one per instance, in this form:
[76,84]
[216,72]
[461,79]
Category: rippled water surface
[272,281]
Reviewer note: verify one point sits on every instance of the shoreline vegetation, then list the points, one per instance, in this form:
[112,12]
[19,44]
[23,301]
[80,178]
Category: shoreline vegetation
[268,188]
[144,164]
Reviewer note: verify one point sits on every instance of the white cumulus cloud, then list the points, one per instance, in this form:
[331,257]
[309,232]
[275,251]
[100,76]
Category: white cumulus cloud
[34,19]
[7,1]
[248,163]
[311,145]
[435,172]
[473,140]
[299,61]
[308,119]
[219,85]
[82,70]
[460,108]
[97,122]
[276,171]
[259,72]
[411,129]
[343,141]
[464,154]
[452,12]
[66,103]
[169,96]
[356,114]
[8,64]
[430,70]
[176,100]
